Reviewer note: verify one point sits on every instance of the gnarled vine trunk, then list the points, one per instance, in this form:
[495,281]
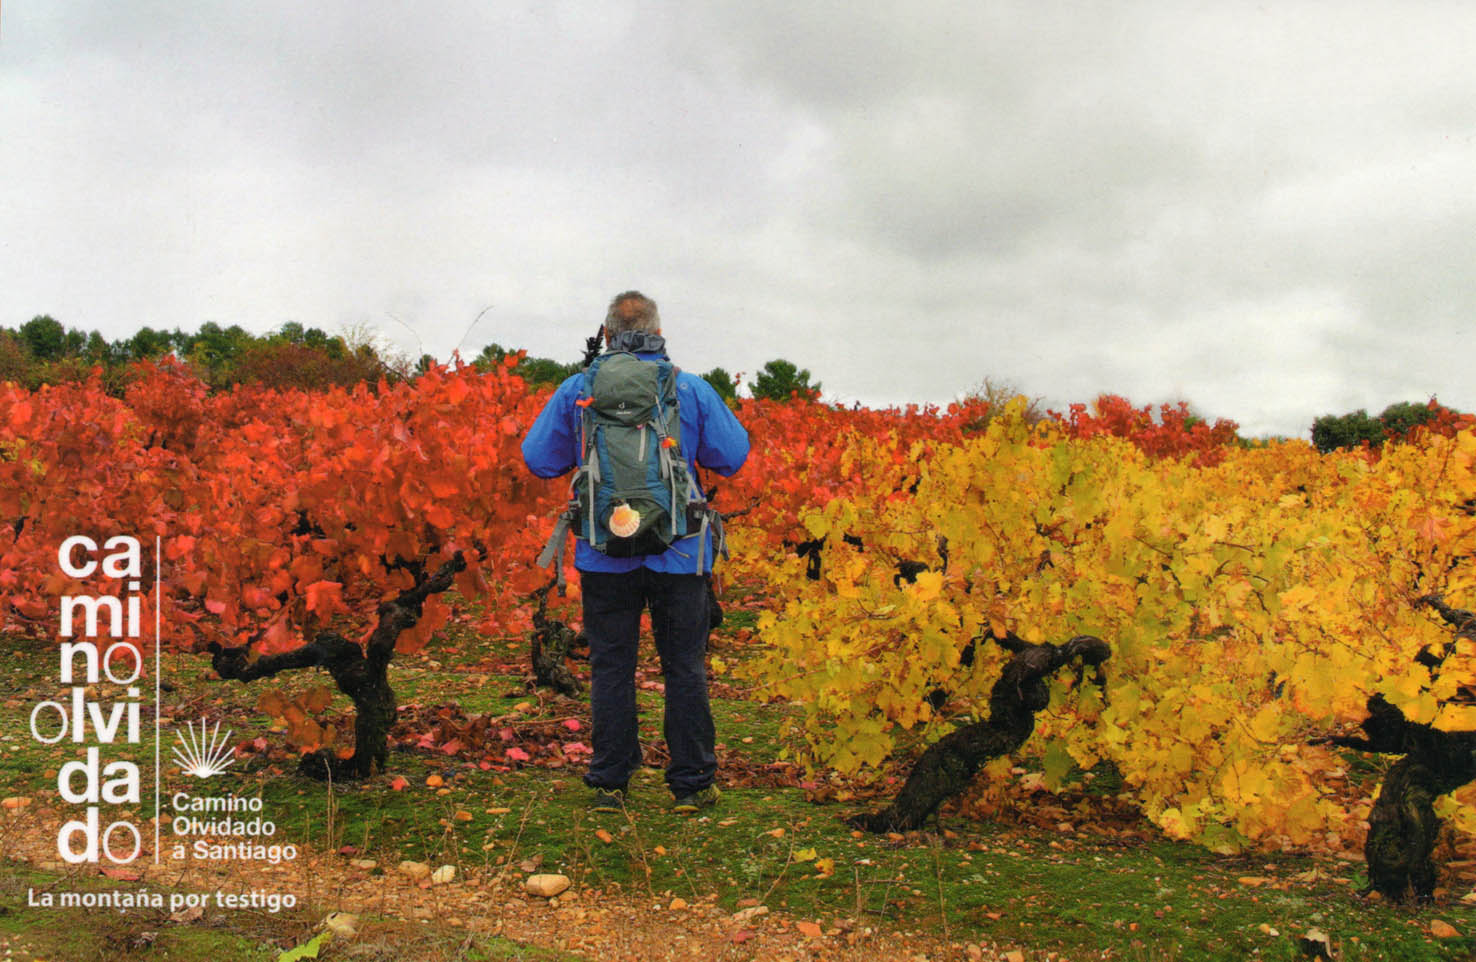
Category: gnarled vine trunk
[553,642]
[361,673]
[950,763]
[1402,825]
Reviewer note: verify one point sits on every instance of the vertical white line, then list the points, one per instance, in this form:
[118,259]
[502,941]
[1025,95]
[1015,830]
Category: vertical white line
[158,692]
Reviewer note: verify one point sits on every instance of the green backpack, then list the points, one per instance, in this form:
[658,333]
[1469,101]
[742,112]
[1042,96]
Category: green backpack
[632,484]
[632,493]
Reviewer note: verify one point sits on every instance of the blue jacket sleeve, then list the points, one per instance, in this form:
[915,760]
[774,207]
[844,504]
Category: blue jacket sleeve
[722,441]
[552,445]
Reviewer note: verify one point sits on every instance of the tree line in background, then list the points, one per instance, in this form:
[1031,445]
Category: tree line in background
[1395,423]
[44,351]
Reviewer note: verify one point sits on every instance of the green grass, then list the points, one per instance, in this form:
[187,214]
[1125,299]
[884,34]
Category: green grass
[1129,894]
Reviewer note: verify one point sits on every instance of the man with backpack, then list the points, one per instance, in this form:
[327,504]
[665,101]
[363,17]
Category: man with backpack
[634,428]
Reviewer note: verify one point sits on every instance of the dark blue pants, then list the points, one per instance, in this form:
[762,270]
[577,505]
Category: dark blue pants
[679,620]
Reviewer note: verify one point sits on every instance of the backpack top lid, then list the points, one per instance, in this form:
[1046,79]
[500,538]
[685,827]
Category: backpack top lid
[637,342]
[621,387]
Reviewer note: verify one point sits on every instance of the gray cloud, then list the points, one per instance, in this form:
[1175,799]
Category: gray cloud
[1264,211]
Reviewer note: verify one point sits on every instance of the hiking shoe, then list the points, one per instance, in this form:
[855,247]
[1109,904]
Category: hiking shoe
[700,799]
[608,800]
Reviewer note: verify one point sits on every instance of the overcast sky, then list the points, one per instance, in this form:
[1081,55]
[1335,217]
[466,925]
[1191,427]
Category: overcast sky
[1266,210]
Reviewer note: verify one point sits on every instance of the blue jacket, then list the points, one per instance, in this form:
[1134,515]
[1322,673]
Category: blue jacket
[711,437]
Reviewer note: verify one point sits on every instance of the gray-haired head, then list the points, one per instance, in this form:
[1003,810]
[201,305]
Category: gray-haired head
[631,311]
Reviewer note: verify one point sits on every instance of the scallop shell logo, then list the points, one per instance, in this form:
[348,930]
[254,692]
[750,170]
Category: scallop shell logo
[624,521]
[205,753]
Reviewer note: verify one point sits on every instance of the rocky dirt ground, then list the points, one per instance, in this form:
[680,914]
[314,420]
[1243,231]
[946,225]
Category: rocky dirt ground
[584,923]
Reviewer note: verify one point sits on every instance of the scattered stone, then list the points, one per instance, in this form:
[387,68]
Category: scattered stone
[546,885]
[443,875]
[415,871]
[364,863]
[749,914]
[343,925]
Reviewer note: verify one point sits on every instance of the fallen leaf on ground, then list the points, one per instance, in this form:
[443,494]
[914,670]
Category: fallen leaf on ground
[308,950]
[187,915]
[751,913]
